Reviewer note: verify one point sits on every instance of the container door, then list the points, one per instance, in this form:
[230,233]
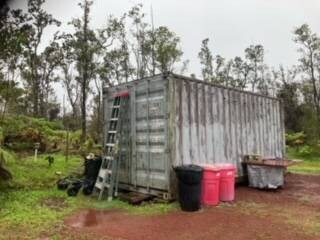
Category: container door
[149,168]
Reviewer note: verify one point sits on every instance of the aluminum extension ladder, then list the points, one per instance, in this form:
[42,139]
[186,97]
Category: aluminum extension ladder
[108,177]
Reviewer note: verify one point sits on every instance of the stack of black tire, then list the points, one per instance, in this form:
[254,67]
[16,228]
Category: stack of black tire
[73,185]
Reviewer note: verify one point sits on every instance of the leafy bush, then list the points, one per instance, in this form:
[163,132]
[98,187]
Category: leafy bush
[21,133]
[295,139]
[305,150]
[87,147]
[75,138]
[1,136]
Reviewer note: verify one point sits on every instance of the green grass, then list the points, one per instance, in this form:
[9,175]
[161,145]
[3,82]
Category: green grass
[310,164]
[29,173]
[30,202]
[31,205]
[34,211]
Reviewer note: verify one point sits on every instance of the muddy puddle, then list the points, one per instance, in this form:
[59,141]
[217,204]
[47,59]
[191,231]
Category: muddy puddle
[93,218]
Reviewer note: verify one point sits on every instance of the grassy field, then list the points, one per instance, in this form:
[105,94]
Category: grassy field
[31,205]
[310,164]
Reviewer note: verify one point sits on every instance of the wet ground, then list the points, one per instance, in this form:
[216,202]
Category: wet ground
[290,213]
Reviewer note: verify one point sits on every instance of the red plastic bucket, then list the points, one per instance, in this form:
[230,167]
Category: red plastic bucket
[227,182]
[210,185]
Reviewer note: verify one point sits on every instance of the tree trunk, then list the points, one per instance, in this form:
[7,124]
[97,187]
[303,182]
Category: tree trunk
[84,67]
[84,110]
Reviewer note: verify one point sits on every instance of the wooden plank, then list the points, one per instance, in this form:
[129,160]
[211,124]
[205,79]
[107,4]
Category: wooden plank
[135,198]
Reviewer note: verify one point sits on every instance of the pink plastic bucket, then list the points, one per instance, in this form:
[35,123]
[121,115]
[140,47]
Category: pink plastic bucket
[210,185]
[227,182]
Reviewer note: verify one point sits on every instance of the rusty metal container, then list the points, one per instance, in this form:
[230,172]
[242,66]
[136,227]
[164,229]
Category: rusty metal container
[175,120]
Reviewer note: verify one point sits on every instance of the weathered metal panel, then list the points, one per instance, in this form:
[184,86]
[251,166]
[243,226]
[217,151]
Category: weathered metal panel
[178,120]
[214,124]
[146,167]
[150,138]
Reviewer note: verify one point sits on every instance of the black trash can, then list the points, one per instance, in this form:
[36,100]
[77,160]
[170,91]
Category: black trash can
[189,186]
[92,167]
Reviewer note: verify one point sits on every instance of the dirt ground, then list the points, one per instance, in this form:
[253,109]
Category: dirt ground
[289,213]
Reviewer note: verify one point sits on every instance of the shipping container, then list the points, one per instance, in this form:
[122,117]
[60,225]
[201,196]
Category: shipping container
[173,120]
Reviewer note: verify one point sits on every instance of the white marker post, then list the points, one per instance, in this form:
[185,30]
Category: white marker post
[36,147]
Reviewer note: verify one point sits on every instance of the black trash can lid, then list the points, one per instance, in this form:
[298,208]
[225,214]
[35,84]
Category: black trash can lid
[189,167]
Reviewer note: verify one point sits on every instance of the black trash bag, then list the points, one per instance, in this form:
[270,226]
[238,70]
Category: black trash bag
[189,186]
[74,189]
[92,167]
[87,187]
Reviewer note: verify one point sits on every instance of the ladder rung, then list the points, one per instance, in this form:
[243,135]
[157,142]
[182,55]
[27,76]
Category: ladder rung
[110,144]
[103,172]
[109,158]
[114,119]
[112,131]
[100,185]
[116,106]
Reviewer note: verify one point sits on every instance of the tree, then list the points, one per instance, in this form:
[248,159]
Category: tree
[206,60]
[84,49]
[141,47]
[166,49]
[154,50]
[241,71]
[68,79]
[50,60]
[184,67]
[116,66]
[38,21]
[218,69]
[12,35]
[310,60]
[288,92]
[255,57]
[226,74]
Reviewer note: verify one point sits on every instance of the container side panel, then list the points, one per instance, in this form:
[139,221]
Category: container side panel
[221,125]
[184,123]
[201,124]
[194,130]
[216,130]
[179,123]
[245,123]
[239,134]
[219,129]
[209,124]
[233,127]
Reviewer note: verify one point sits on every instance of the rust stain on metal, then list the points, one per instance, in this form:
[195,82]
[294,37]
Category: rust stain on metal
[180,119]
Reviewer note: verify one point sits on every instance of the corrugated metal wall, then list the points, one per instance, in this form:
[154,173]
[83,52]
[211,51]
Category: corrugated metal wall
[216,125]
[147,165]
[177,120]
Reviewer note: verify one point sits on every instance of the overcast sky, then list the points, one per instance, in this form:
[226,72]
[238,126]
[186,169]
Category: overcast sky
[231,25]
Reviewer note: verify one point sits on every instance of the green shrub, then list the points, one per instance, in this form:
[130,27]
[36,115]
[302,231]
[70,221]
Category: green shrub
[295,139]
[75,138]
[21,132]
[305,150]
[87,147]
[1,136]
